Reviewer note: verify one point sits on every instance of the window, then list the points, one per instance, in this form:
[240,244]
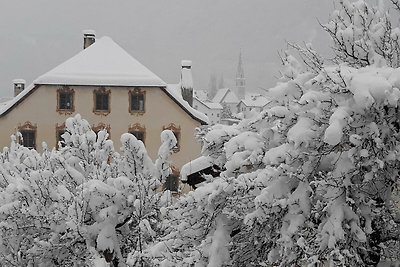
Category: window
[60,130]
[138,131]
[172,181]
[65,100]
[136,101]
[139,135]
[28,135]
[101,101]
[177,132]
[218,115]
[102,126]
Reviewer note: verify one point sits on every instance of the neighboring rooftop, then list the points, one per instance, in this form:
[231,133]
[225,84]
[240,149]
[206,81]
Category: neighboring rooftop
[255,100]
[209,104]
[174,91]
[103,63]
[200,95]
[225,95]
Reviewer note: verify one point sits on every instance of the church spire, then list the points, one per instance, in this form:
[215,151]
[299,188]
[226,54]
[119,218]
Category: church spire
[240,79]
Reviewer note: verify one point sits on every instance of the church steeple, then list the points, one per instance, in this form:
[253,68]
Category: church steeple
[240,79]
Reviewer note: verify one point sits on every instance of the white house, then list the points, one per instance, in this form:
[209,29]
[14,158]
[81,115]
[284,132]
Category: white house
[251,104]
[212,110]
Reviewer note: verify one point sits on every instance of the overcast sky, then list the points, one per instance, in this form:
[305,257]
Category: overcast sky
[38,35]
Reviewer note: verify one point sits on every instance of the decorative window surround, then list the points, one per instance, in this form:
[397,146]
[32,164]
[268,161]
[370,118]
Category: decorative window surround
[138,131]
[137,101]
[60,130]
[28,134]
[101,101]
[177,132]
[65,100]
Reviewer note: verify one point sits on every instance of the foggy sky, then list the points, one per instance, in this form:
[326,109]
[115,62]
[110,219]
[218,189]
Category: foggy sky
[38,35]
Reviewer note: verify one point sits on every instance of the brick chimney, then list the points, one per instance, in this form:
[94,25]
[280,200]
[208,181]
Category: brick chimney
[89,37]
[19,86]
[187,81]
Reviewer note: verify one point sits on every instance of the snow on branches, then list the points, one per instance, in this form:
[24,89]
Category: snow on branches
[80,205]
[313,179]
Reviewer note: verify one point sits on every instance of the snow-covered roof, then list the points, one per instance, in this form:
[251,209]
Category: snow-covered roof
[195,165]
[200,94]
[5,106]
[107,64]
[4,100]
[209,104]
[3,103]
[255,100]
[174,91]
[225,95]
[103,63]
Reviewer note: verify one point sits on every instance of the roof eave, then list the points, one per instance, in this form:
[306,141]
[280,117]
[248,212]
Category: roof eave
[17,102]
[164,89]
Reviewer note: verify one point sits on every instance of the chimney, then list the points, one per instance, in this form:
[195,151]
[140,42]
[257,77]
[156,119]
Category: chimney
[187,81]
[89,37]
[19,86]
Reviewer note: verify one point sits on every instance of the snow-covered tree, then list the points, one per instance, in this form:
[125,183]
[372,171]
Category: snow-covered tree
[311,181]
[82,205]
[226,112]
[363,34]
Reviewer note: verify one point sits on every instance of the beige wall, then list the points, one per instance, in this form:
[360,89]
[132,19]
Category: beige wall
[160,110]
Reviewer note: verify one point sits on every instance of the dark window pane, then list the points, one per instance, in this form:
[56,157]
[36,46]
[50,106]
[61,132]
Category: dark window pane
[28,138]
[60,140]
[177,135]
[137,102]
[138,135]
[65,101]
[101,102]
[172,183]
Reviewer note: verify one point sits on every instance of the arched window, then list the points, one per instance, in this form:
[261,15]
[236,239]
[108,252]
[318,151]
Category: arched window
[102,126]
[60,130]
[177,132]
[172,181]
[139,131]
[28,135]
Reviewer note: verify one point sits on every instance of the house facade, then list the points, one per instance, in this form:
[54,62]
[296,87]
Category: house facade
[212,110]
[112,91]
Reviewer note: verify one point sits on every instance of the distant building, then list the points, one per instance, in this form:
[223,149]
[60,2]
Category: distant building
[228,97]
[252,104]
[201,95]
[111,90]
[212,110]
[240,79]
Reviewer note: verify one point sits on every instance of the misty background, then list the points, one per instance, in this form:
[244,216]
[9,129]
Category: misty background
[38,35]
